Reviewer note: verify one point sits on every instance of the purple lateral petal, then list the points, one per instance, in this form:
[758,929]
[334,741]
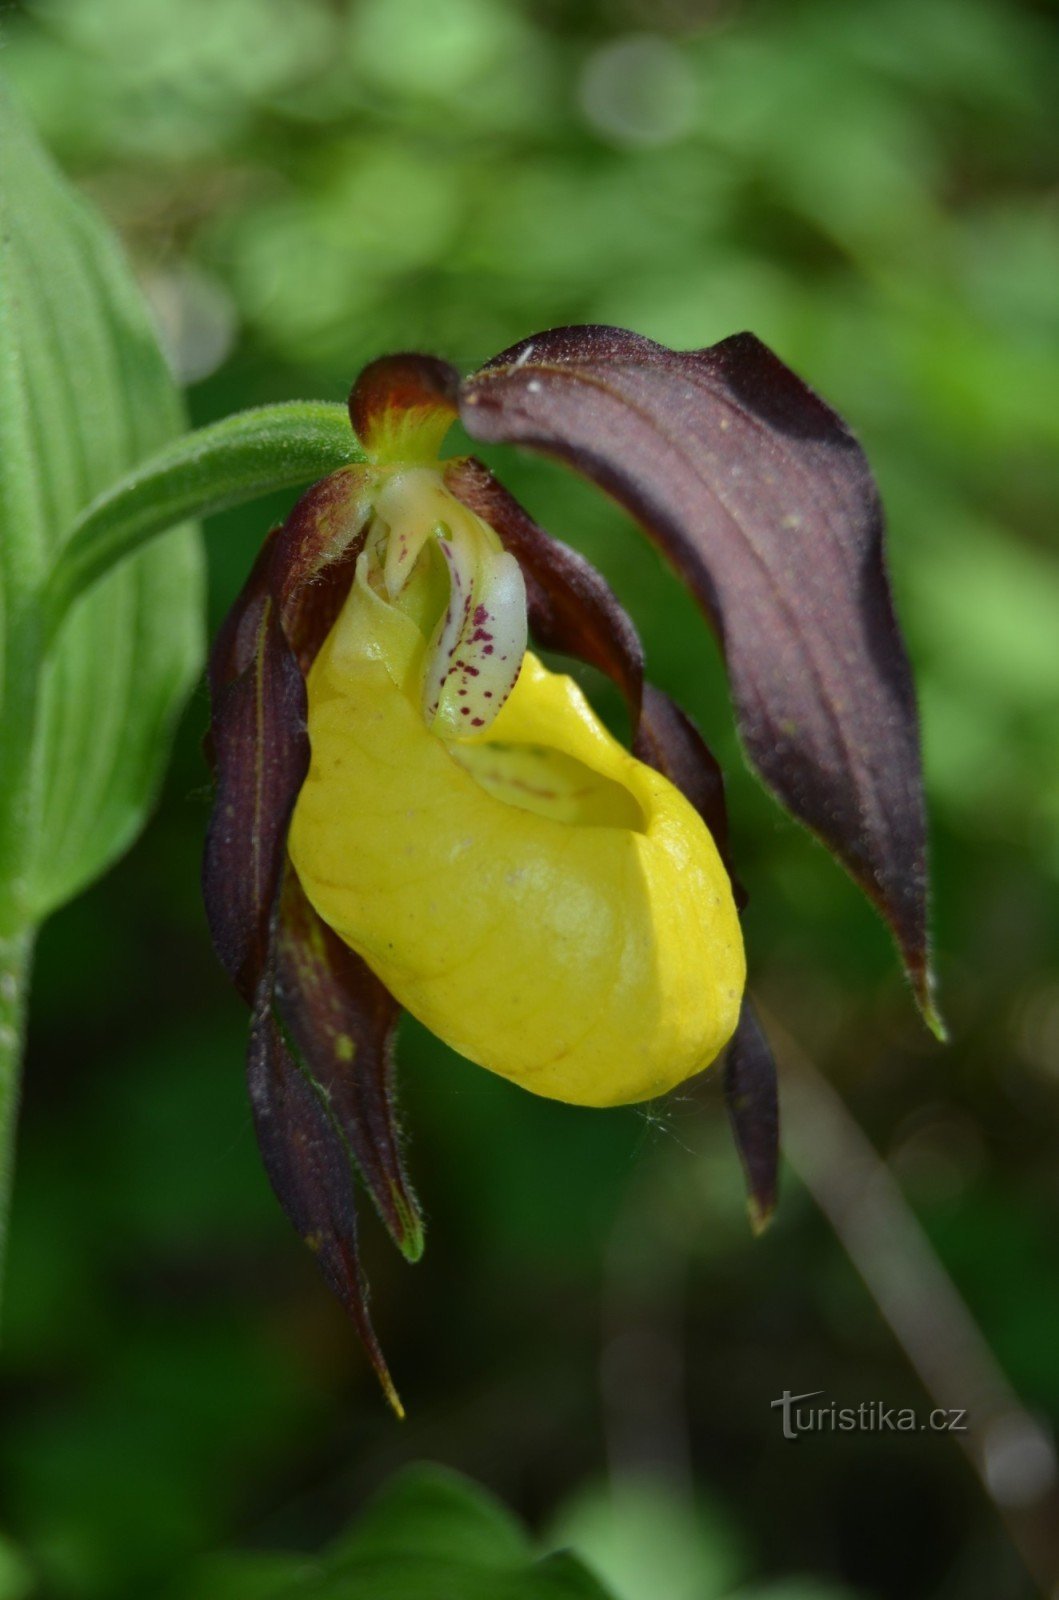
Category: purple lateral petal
[313,557]
[308,1166]
[236,643]
[260,752]
[753,1110]
[310,997]
[669,741]
[402,406]
[764,503]
[340,1020]
[571,608]
[257,742]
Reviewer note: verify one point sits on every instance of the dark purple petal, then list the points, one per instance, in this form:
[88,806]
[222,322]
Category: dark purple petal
[669,741]
[308,1166]
[320,1052]
[258,743]
[402,407]
[236,644]
[753,1110]
[340,1021]
[313,557]
[571,608]
[260,751]
[764,503]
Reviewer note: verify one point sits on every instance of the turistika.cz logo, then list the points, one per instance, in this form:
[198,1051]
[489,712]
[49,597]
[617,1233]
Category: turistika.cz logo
[870,1416]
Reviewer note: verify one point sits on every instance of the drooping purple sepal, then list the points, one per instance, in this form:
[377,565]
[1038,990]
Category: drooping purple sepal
[753,1110]
[668,740]
[260,753]
[339,1019]
[763,501]
[308,1167]
[320,1053]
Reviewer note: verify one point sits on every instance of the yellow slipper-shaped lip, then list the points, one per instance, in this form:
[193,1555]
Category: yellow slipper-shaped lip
[545,903]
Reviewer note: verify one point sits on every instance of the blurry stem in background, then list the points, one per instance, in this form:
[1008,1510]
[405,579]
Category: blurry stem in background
[15,954]
[1011,1453]
[210,470]
[643,1358]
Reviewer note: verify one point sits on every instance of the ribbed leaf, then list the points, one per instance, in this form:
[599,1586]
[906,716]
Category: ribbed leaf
[84,395]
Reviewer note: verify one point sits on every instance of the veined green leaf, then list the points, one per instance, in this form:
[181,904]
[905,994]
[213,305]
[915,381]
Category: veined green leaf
[84,396]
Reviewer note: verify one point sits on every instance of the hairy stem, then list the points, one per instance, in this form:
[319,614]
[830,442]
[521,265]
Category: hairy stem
[209,470]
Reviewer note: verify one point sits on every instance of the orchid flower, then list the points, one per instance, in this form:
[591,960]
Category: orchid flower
[414,812]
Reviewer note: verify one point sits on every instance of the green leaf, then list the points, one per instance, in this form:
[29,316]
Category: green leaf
[807,1588]
[84,396]
[430,1535]
[643,1541]
[438,1516]
[564,1577]
[211,469]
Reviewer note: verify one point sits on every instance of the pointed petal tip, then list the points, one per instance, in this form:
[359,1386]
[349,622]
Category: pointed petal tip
[409,1235]
[761,1210]
[751,1099]
[393,1398]
[938,1026]
[924,987]
[932,1016]
[382,1373]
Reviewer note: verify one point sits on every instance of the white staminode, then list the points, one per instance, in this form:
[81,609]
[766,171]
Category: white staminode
[475,651]
[412,503]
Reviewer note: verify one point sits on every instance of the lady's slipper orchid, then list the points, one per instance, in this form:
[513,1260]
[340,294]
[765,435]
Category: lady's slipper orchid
[414,811]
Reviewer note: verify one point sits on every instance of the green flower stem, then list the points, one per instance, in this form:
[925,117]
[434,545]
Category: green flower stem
[223,465]
[15,953]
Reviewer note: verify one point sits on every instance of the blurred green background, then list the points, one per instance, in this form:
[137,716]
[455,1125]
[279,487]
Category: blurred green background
[303,184]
